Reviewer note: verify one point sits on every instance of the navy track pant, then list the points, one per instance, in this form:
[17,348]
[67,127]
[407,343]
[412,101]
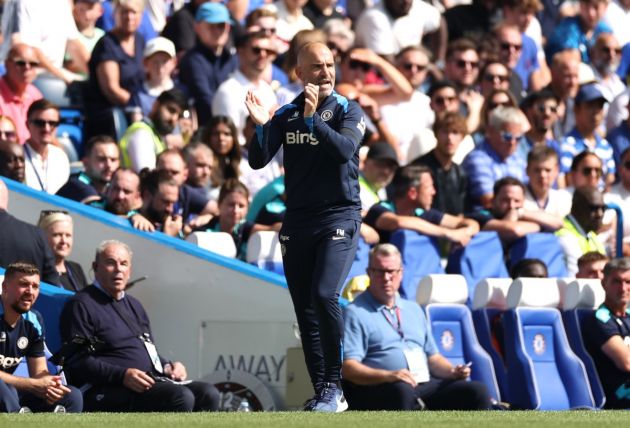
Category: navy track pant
[316,262]
[11,400]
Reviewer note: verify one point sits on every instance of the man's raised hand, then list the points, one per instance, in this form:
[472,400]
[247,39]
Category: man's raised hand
[258,113]
[311,95]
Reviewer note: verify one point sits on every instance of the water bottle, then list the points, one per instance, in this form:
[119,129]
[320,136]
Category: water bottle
[244,406]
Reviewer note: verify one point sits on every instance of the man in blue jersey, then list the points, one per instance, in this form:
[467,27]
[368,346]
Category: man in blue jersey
[20,337]
[320,132]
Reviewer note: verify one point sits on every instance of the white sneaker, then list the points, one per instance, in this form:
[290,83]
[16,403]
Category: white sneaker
[330,400]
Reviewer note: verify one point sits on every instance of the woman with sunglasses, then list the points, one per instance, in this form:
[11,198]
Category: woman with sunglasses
[58,228]
[116,69]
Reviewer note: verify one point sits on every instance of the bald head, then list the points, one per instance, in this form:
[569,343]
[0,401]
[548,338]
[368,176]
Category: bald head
[316,65]
[4,196]
[21,49]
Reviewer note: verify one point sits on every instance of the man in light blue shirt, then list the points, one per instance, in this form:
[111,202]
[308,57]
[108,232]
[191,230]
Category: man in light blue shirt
[497,156]
[391,361]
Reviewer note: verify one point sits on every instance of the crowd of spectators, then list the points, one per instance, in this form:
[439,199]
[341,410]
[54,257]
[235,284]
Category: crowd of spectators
[507,116]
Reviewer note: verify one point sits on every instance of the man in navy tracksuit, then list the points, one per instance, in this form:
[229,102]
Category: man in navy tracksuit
[320,132]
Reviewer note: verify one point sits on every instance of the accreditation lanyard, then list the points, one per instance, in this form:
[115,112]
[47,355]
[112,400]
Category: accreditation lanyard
[45,170]
[398,327]
[71,278]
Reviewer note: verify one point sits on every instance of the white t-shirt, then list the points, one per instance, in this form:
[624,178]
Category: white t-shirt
[49,175]
[288,25]
[408,119]
[559,203]
[47,25]
[377,30]
[618,19]
[229,99]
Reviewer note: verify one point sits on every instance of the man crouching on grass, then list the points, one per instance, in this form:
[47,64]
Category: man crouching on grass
[20,338]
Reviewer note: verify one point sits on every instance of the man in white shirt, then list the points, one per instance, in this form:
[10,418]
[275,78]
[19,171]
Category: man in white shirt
[543,170]
[47,166]
[395,24]
[255,52]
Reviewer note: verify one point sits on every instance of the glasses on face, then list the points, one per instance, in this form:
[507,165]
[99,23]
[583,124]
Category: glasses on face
[23,63]
[383,272]
[45,213]
[494,105]
[410,66]
[493,77]
[41,123]
[268,30]
[508,137]
[587,171]
[509,46]
[542,108]
[610,50]
[460,63]
[355,64]
[444,100]
[257,51]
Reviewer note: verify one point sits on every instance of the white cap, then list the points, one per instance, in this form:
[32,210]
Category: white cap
[159,44]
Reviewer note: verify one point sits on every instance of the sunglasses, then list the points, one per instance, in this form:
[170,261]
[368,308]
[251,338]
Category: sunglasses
[355,64]
[543,108]
[22,63]
[492,106]
[444,100]
[509,46]
[508,137]
[492,77]
[257,51]
[409,66]
[614,51]
[587,171]
[41,123]
[460,63]
[45,213]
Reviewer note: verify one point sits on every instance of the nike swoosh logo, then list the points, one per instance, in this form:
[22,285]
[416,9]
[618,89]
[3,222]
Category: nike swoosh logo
[292,118]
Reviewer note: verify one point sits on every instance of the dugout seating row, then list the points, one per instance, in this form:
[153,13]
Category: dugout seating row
[544,364]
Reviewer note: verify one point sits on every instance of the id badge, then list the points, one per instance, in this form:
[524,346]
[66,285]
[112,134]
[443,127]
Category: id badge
[153,355]
[417,363]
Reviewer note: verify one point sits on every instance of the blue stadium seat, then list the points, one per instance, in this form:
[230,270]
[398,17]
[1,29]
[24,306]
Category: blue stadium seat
[263,250]
[488,303]
[53,89]
[71,124]
[443,297]
[481,258]
[420,257]
[543,246]
[581,298]
[544,373]
[120,123]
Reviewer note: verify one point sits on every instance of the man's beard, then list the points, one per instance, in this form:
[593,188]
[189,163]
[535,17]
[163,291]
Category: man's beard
[163,128]
[18,309]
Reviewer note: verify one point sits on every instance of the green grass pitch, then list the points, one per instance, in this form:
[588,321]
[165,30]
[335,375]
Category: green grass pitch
[526,419]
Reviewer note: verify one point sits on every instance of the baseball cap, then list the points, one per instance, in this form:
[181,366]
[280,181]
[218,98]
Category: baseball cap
[382,151]
[590,92]
[159,44]
[213,13]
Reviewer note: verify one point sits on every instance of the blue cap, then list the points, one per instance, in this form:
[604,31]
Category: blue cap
[590,92]
[213,13]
